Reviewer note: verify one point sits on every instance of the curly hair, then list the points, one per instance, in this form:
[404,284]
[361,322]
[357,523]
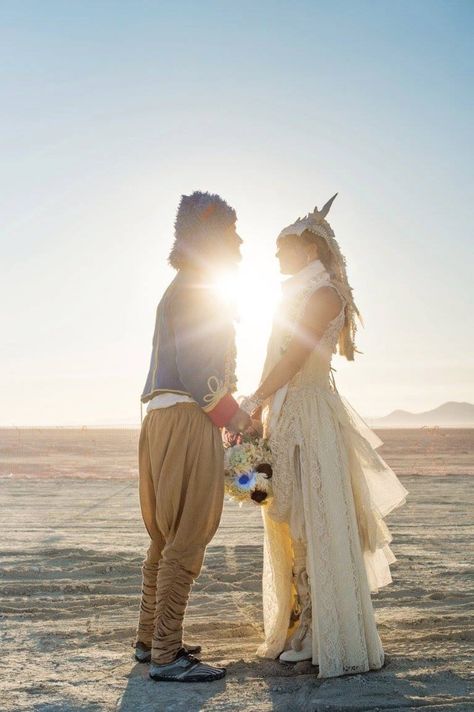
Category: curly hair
[200,221]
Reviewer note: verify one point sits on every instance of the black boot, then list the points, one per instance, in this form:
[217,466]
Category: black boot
[185,668]
[143,652]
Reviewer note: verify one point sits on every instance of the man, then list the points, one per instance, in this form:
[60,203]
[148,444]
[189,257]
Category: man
[189,394]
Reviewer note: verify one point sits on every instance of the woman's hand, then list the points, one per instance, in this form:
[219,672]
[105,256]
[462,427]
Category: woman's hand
[255,428]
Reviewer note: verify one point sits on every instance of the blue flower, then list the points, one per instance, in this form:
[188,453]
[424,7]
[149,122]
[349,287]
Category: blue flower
[245,481]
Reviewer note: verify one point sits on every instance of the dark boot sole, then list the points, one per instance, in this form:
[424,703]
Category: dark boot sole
[158,678]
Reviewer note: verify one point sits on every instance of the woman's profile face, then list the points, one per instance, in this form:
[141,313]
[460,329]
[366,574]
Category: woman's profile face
[291,254]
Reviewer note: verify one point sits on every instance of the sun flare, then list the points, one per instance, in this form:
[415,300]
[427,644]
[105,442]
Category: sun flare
[249,292]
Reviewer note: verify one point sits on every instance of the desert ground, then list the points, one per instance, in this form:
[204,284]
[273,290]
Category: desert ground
[70,560]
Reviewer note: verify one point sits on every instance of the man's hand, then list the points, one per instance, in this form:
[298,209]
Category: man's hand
[239,422]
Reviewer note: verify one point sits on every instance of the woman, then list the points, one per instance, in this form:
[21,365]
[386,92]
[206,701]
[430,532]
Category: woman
[326,545]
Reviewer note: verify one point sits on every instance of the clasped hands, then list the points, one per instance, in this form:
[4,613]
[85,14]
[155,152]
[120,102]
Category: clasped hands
[242,422]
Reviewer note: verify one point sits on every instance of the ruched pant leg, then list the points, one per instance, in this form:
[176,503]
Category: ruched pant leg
[181,497]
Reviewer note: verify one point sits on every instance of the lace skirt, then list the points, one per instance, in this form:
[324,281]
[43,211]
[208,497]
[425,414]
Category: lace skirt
[331,489]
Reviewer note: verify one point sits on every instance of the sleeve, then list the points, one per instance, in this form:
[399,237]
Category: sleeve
[203,338]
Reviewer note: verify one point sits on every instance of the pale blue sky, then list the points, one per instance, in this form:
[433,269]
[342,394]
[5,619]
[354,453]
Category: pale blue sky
[111,110]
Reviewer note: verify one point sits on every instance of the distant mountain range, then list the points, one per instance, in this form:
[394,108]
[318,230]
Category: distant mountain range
[448,415]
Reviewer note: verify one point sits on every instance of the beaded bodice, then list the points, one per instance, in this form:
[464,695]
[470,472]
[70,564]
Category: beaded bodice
[317,366]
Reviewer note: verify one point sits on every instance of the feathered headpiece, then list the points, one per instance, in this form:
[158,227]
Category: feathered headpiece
[201,219]
[317,224]
[314,222]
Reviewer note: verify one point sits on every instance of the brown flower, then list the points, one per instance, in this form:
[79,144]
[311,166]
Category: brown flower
[258,496]
[265,469]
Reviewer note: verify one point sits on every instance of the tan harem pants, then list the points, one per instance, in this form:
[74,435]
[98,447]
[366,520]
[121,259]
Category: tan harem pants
[181,473]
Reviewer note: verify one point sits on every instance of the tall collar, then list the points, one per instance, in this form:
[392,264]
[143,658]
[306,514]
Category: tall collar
[313,270]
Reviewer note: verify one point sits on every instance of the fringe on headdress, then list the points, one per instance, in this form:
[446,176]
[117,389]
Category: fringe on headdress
[317,224]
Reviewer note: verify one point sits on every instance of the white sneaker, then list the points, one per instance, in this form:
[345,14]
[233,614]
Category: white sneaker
[296,656]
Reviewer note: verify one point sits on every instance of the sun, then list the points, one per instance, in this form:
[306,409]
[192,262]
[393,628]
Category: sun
[252,293]
[249,292]
[227,286]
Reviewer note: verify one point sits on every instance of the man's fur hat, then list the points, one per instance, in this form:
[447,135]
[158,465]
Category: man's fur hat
[200,221]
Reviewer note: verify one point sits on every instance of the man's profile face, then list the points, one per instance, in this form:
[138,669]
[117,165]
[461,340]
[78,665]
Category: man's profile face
[228,250]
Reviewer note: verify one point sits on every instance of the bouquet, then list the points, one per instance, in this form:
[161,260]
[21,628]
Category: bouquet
[248,469]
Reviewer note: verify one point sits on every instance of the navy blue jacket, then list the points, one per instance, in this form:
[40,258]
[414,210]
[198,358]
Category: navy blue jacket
[194,348]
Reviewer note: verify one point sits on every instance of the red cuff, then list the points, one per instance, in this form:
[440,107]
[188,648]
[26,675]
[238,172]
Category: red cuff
[224,411]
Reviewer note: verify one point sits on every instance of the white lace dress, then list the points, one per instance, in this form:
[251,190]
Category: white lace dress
[331,490]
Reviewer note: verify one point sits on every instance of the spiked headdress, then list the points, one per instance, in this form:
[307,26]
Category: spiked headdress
[317,224]
[200,220]
[314,222]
